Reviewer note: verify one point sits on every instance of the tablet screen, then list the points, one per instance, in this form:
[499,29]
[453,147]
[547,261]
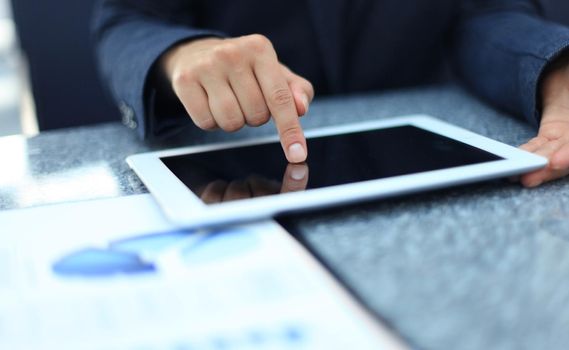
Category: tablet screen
[261,170]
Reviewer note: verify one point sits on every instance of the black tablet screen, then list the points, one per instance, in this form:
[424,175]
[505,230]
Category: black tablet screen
[261,170]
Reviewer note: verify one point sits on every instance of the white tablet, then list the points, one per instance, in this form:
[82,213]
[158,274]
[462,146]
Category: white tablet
[243,181]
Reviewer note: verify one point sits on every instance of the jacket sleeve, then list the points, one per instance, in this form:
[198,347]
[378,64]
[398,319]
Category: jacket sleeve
[502,49]
[130,36]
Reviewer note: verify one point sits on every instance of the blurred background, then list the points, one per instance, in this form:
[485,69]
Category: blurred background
[10,89]
[48,78]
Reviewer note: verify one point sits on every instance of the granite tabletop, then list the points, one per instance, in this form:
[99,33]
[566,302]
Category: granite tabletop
[484,266]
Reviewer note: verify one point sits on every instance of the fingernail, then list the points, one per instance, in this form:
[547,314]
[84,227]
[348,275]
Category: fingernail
[298,173]
[306,104]
[296,153]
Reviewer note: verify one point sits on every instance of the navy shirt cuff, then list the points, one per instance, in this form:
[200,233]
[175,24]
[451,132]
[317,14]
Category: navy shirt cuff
[536,69]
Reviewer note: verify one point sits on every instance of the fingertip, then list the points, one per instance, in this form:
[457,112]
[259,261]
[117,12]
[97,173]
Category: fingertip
[292,139]
[296,153]
[559,160]
[534,184]
[556,164]
[530,181]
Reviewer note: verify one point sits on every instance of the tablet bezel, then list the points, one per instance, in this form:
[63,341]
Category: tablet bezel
[184,208]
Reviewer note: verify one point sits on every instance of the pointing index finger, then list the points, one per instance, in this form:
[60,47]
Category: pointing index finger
[280,100]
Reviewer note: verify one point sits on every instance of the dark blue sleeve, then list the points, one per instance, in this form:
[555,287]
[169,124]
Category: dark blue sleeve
[501,50]
[130,36]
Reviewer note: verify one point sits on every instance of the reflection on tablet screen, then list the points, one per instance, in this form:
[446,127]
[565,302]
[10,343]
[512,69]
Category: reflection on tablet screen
[262,170]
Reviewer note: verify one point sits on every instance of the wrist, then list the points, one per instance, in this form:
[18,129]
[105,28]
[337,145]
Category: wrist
[555,91]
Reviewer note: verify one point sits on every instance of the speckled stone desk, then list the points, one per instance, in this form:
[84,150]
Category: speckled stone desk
[479,267]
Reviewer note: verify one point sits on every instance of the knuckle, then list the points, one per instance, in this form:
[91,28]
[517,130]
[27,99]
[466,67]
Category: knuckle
[206,124]
[227,107]
[230,116]
[184,77]
[280,97]
[259,118]
[228,52]
[232,124]
[258,42]
[205,64]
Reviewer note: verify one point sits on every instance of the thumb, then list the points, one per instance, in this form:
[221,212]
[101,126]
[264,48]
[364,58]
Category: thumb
[301,99]
[302,91]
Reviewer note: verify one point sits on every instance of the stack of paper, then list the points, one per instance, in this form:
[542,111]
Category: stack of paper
[114,274]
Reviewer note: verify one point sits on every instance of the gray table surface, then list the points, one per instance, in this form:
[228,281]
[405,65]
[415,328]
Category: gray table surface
[479,267]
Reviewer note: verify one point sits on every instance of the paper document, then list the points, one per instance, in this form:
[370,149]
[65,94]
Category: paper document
[114,274]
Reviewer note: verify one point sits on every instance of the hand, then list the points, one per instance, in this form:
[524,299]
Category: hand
[295,179]
[228,83]
[552,140]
